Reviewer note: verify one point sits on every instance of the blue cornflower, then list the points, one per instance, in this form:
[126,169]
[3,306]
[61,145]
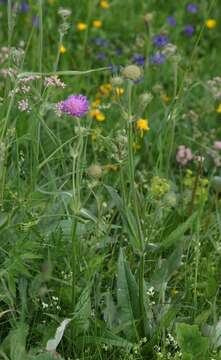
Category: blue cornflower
[192,8]
[189,30]
[101,42]
[101,56]
[160,40]
[158,59]
[171,21]
[139,59]
[24,7]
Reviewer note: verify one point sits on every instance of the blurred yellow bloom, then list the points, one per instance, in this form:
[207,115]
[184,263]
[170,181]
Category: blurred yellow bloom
[110,167]
[211,23]
[105,89]
[51,2]
[165,98]
[98,115]
[119,91]
[62,49]
[142,125]
[95,103]
[219,109]
[81,26]
[104,4]
[97,24]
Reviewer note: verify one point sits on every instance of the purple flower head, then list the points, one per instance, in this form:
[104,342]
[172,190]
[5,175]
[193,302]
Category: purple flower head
[171,21]
[24,7]
[183,155]
[192,8]
[101,42]
[139,59]
[157,59]
[189,30]
[160,40]
[101,56]
[74,105]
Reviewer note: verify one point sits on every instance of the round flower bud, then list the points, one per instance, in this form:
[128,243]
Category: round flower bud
[116,81]
[132,72]
[64,13]
[95,171]
[144,100]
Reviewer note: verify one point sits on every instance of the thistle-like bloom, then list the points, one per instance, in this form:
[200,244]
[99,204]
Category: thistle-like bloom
[189,30]
[160,40]
[171,21]
[74,105]
[192,8]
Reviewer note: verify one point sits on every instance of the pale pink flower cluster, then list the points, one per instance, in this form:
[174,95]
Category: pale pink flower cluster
[54,81]
[183,155]
[23,105]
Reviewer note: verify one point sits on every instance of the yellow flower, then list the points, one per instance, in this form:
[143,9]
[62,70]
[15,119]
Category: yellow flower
[81,26]
[165,98]
[110,167]
[95,103]
[105,89]
[97,24]
[104,4]
[62,49]
[51,2]
[119,91]
[211,23]
[219,109]
[142,125]
[98,115]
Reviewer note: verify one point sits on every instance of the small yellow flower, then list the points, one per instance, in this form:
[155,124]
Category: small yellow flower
[110,167]
[97,114]
[142,125]
[104,4]
[119,91]
[211,23]
[165,98]
[62,49]
[81,26]
[97,24]
[219,109]
[95,103]
[105,89]
[51,2]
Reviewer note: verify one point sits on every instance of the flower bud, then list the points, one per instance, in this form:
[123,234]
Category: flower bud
[132,72]
[95,171]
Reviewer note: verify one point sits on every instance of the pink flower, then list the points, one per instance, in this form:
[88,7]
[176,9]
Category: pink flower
[217,145]
[74,105]
[184,155]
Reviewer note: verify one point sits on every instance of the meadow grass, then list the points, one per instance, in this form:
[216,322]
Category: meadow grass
[110,223]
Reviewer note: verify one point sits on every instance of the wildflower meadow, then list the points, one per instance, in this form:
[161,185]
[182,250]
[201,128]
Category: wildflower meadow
[110,180]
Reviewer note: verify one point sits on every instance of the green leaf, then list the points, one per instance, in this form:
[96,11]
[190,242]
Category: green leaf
[178,233]
[17,340]
[45,356]
[191,342]
[127,298]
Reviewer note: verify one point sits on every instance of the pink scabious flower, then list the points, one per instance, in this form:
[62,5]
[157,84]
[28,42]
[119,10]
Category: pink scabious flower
[74,105]
[184,155]
[217,145]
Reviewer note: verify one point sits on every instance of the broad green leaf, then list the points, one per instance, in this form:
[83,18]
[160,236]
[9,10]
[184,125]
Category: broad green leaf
[127,297]
[178,233]
[191,341]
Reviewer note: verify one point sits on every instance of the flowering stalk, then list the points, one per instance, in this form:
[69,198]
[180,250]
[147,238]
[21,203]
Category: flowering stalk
[135,204]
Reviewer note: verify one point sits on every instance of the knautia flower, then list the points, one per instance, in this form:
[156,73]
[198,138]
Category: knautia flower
[189,30]
[160,40]
[192,8]
[171,21]
[158,59]
[139,59]
[24,7]
[74,105]
[184,155]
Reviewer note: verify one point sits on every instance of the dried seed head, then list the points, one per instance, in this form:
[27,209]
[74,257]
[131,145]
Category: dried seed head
[132,72]
[116,81]
[95,171]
